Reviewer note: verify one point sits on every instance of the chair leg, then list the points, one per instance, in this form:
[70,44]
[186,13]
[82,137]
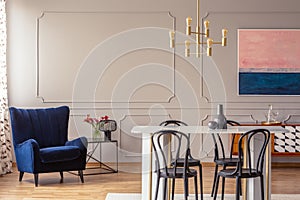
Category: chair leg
[216,188]
[196,187]
[165,188]
[36,179]
[237,190]
[186,191]
[61,177]
[173,188]
[157,187]
[186,182]
[21,176]
[223,187]
[214,182]
[80,173]
[262,187]
[201,182]
[241,193]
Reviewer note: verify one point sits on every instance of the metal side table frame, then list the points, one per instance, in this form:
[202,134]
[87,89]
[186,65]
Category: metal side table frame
[98,143]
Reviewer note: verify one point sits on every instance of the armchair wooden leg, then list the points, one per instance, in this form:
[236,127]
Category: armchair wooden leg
[81,176]
[21,176]
[36,179]
[61,177]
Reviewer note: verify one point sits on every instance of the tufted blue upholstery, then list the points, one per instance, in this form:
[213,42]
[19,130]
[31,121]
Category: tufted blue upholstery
[40,138]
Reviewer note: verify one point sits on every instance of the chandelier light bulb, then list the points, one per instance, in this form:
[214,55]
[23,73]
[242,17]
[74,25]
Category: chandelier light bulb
[206,27]
[224,37]
[224,32]
[188,25]
[188,21]
[187,44]
[209,45]
[209,42]
[206,23]
[172,38]
[187,48]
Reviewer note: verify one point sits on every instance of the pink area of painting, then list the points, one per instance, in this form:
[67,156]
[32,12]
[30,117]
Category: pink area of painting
[269,49]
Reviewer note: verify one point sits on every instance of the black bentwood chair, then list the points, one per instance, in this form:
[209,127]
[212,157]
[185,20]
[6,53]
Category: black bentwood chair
[165,169]
[255,164]
[220,159]
[192,161]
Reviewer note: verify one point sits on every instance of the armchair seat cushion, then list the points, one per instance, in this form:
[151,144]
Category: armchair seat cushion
[59,154]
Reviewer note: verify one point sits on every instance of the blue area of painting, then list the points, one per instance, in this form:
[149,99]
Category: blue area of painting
[269,83]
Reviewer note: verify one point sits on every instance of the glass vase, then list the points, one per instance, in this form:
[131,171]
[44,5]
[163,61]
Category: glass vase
[97,134]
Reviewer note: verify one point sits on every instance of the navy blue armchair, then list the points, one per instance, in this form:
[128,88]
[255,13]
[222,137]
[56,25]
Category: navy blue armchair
[40,139]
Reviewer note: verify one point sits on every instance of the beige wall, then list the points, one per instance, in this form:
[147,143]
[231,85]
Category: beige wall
[113,58]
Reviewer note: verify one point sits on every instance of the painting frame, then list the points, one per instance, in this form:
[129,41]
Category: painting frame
[267,62]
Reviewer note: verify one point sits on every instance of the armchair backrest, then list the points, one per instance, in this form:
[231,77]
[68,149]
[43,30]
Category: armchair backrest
[48,126]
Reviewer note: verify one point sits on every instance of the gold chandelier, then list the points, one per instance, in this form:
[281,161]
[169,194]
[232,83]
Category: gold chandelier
[209,41]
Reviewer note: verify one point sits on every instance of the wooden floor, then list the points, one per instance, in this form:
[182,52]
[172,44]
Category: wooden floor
[128,180]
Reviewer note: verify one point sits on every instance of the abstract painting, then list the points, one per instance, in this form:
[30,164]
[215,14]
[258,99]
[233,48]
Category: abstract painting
[269,62]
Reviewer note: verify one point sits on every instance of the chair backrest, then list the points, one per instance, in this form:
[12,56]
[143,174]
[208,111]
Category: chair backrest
[255,162]
[232,123]
[48,126]
[219,146]
[161,142]
[173,122]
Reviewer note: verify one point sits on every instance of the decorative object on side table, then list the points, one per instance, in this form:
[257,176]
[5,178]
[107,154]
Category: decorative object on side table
[95,125]
[220,118]
[107,126]
[212,124]
[271,117]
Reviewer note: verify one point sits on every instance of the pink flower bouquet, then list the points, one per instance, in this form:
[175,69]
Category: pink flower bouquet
[95,122]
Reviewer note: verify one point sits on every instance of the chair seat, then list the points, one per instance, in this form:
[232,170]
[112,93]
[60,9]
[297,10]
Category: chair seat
[191,161]
[227,161]
[179,173]
[59,154]
[228,173]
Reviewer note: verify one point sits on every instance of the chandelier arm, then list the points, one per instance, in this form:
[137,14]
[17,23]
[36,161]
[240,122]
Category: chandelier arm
[181,43]
[198,33]
[217,42]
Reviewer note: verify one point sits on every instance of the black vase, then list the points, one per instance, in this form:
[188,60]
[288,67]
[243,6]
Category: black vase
[220,118]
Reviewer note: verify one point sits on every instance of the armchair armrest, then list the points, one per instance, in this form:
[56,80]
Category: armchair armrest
[80,142]
[26,154]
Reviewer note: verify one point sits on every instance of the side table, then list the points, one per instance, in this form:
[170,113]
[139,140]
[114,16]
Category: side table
[97,142]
